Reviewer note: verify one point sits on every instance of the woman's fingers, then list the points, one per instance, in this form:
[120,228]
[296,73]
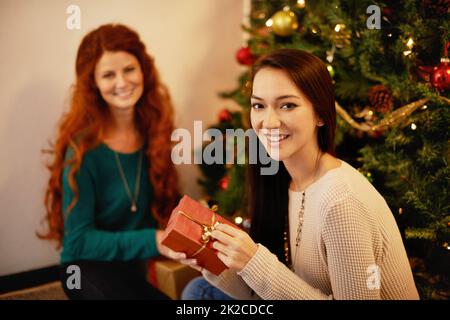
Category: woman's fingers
[221,248]
[174,255]
[222,236]
[232,231]
[192,263]
[225,259]
[189,262]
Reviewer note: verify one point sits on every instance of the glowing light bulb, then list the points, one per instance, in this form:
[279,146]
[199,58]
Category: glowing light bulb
[338,27]
[301,4]
[410,43]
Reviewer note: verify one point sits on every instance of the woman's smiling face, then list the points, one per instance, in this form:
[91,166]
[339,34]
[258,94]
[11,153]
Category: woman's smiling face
[281,115]
[119,78]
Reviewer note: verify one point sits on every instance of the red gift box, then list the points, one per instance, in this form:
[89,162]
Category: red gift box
[188,231]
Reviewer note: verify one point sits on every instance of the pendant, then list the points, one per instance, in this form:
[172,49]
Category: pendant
[133,208]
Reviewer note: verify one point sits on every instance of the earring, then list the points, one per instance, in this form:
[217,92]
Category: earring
[320,123]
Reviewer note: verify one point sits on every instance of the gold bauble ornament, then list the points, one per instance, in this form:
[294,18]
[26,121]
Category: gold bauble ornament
[284,23]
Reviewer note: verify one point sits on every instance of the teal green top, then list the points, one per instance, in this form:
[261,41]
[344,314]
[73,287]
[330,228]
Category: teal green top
[101,225]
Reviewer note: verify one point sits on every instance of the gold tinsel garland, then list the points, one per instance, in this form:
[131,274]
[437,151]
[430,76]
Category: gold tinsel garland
[390,120]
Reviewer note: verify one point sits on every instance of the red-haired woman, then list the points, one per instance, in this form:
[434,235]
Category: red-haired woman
[112,180]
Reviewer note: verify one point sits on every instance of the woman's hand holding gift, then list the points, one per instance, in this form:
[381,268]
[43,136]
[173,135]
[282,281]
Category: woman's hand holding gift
[178,256]
[235,246]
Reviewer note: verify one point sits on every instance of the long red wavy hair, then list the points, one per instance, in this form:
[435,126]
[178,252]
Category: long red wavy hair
[82,126]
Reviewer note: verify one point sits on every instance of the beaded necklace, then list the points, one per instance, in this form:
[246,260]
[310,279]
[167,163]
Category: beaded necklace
[287,253]
[301,213]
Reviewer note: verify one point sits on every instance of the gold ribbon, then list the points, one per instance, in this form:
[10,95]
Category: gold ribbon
[206,228]
[390,120]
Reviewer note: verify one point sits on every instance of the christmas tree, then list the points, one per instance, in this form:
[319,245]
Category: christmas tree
[391,71]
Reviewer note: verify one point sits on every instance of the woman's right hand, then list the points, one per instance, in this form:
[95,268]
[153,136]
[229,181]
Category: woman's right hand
[178,256]
[189,262]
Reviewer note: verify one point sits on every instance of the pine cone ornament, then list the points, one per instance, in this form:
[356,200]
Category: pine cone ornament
[380,98]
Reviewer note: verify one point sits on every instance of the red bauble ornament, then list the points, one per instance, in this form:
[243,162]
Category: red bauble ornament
[440,78]
[223,183]
[225,115]
[244,56]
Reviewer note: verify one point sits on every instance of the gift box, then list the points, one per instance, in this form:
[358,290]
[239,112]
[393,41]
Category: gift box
[188,231]
[170,277]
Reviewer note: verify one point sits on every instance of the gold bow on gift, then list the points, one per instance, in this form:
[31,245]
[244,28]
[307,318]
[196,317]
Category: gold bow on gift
[206,228]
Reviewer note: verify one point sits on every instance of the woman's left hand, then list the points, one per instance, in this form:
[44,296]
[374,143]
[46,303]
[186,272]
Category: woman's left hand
[235,246]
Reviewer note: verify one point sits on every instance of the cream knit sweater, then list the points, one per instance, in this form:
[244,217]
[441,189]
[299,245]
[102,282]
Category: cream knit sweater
[350,248]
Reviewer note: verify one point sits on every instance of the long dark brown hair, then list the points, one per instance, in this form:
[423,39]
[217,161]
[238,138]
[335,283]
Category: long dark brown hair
[81,128]
[268,194]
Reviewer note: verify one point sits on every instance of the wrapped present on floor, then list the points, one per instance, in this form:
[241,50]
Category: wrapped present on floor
[170,276]
[189,231]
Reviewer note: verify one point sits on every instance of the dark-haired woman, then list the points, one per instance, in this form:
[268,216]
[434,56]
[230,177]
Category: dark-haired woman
[112,180]
[319,230]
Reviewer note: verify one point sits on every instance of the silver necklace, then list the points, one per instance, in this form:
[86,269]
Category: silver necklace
[133,198]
